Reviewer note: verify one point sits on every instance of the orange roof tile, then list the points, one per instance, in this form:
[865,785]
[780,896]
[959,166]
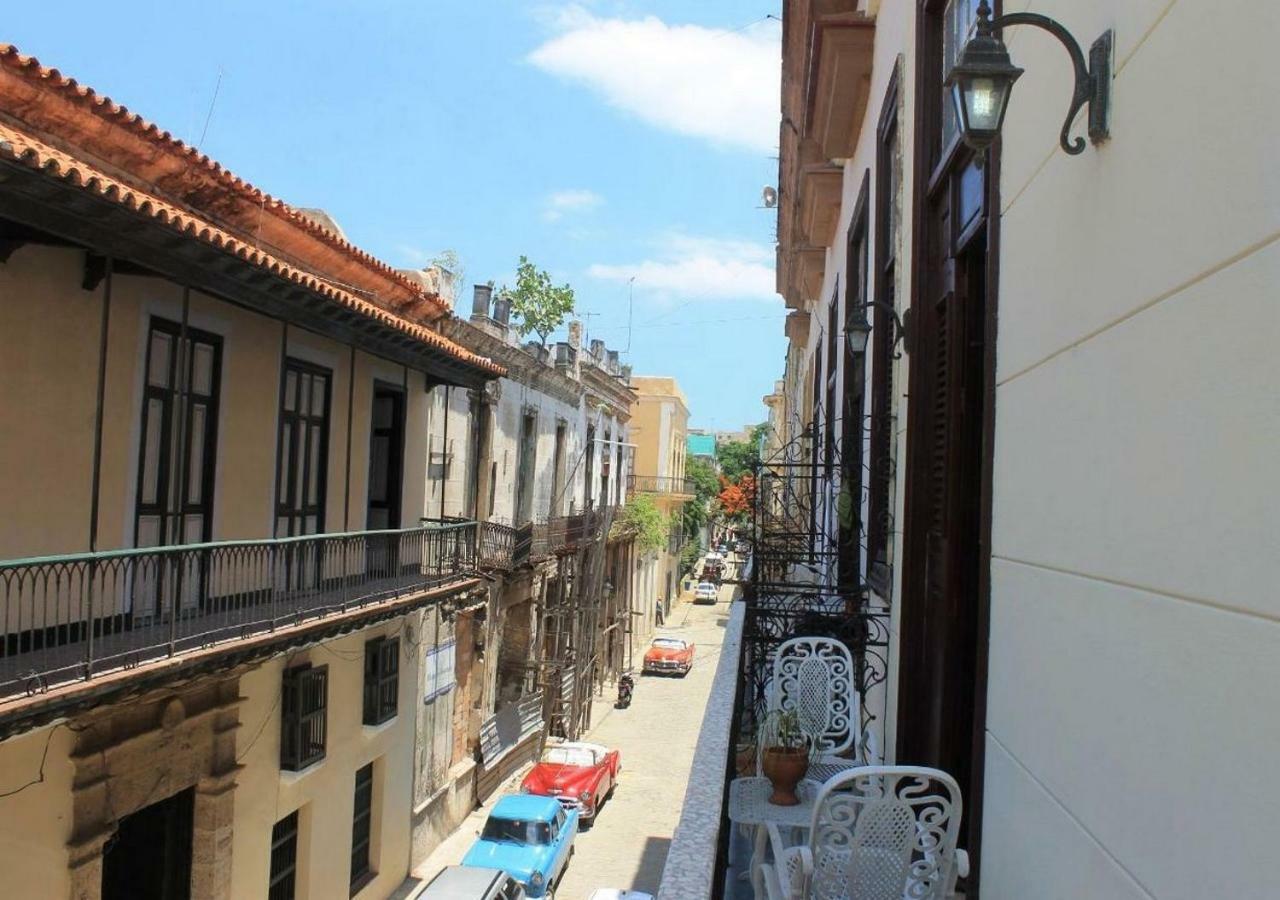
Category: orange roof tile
[69,131]
[35,154]
[64,109]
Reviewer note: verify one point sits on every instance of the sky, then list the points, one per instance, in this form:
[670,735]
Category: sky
[606,140]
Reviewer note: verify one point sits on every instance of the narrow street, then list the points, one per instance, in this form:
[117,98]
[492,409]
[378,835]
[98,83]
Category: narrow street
[627,846]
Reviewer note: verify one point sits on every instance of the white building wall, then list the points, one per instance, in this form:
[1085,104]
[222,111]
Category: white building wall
[1134,614]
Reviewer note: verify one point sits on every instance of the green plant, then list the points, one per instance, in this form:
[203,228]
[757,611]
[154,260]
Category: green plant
[642,518]
[782,728]
[539,305]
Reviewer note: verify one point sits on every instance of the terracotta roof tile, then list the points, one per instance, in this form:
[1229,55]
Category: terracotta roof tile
[195,172]
[35,154]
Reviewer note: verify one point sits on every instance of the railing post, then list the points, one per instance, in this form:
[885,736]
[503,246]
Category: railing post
[88,622]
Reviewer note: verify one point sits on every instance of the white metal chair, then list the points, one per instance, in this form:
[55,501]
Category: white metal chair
[814,677]
[878,833]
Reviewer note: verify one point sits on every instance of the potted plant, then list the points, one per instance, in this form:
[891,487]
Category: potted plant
[785,758]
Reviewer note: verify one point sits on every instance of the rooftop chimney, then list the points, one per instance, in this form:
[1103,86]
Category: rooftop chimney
[480,297]
[502,310]
[575,348]
[597,349]
[613,361]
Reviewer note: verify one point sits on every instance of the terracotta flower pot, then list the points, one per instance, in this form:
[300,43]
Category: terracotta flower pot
[784,767]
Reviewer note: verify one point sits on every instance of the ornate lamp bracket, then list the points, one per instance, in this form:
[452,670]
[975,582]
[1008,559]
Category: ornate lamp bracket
[1092,80]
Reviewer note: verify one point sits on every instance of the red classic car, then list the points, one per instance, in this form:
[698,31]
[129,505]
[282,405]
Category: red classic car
[668,654]
[579,775]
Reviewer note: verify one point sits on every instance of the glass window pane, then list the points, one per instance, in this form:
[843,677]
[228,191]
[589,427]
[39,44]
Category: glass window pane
[290,390]
[313,471]
[298,460]
[304,394]
[149,531]
[312,525]
[195,464]
[380,448]
[282,527]
[382,416]
[318,383]
[193,528]
[161,350]
[282,477]
[202,369]
[151,451]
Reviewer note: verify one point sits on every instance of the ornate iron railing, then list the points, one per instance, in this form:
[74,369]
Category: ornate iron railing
[659,484]
[497,545]
[67,618]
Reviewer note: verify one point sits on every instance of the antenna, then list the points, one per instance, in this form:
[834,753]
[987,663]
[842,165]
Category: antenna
[631,290]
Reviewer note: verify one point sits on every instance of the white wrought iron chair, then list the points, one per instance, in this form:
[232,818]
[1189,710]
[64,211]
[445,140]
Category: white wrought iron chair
[814,677]
[878,833]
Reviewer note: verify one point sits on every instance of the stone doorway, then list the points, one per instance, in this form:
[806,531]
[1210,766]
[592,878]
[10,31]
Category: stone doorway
[149,857]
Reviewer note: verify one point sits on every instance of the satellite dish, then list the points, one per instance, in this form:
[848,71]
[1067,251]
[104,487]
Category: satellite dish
[769,197]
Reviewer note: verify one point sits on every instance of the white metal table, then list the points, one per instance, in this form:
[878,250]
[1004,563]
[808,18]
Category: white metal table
[749,805]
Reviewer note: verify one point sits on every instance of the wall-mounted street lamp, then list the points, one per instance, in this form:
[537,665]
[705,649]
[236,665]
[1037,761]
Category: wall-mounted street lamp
[858,330]
[983,77]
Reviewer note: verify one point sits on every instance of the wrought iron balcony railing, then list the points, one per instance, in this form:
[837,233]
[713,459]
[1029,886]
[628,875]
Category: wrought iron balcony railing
[497,545]
[660,484]
[69,618]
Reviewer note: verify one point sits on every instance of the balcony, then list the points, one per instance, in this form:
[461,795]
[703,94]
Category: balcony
[661,484]
[82,617]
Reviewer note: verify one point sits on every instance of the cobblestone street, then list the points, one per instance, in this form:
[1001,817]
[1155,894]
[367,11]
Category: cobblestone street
[627,846]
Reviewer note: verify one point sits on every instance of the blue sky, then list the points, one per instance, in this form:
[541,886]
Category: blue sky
[604,140]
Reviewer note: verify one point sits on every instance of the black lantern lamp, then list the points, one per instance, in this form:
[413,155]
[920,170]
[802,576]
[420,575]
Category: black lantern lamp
[858,331]
[982,80]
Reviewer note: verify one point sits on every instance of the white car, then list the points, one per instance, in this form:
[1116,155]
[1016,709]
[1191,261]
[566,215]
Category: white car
[705,593]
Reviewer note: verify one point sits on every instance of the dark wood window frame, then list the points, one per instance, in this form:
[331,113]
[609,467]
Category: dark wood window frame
[381,680]
[853,430]
[304,717]
[172,402]
[881,470]
[308,425]
[362,871]
[283,881]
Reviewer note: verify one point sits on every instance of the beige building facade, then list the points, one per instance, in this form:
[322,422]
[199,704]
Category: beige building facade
[1072,429]
[660,428]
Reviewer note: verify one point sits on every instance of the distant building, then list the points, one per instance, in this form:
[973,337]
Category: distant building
[701,445]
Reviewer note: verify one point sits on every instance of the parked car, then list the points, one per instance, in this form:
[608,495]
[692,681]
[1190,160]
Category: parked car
[469,883]
[705,592]
[528,837]
[578,775]
[668,654]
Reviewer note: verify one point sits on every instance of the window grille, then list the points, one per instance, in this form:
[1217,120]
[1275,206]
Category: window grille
[284,859]
[381,680]
[304,717]
[361,830]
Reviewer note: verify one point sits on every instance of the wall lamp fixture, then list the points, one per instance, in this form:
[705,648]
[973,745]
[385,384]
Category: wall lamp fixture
[983,76]
[858,331]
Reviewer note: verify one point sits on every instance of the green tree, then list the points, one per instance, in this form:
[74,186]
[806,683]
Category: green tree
[539,305]
[642,518]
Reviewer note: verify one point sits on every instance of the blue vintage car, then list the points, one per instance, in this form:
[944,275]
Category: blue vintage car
[528,837]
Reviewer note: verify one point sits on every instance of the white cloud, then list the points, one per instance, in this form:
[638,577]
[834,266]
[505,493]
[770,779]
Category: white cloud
[708,83]
[561,202]
[698,268]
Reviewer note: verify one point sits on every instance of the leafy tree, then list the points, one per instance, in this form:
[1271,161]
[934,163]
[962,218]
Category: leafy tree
[539,305]
[642,518]
[450,265]
[706,485]
[737,458]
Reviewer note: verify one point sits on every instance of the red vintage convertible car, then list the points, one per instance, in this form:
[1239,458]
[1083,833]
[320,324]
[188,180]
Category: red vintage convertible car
[579,775]
[668,654]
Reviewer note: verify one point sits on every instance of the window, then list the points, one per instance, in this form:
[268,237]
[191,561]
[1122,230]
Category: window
[880,466]
[179,403]
[362,830]
[958,21]
[284,859]
[381,679]
[525,474]
[304,718]
[852,432]
[303,449]
[439,669]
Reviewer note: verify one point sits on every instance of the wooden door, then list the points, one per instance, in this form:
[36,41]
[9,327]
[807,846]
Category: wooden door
[942,679]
